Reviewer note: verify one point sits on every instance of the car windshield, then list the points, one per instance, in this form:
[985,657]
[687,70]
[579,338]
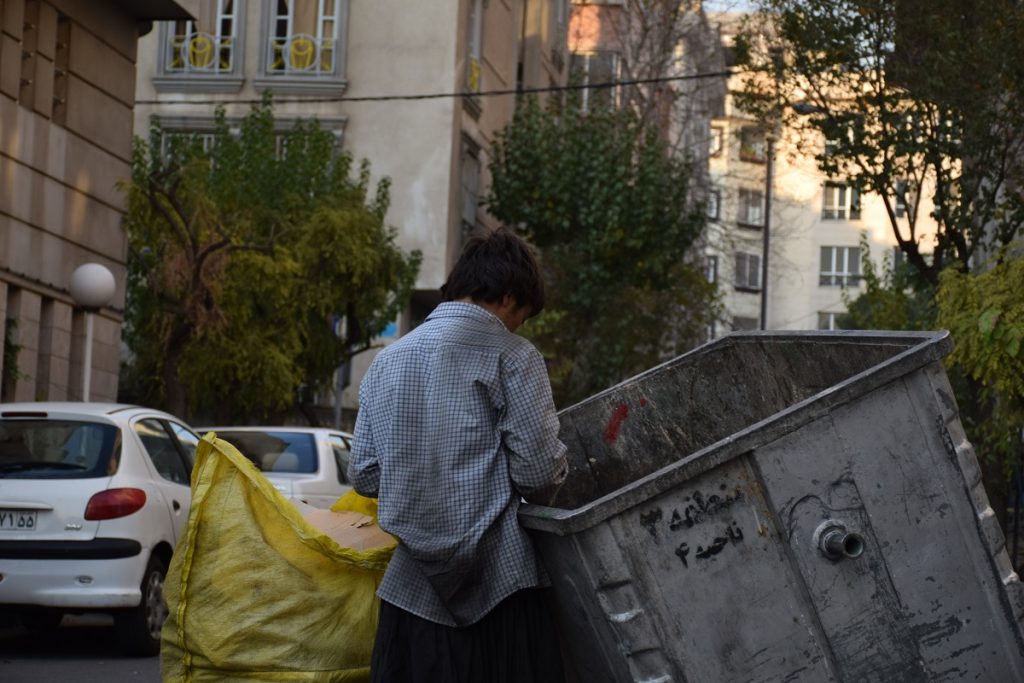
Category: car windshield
[271,451]
[58,449]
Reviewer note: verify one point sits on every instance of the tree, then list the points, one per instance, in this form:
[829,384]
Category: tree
[607,205]
[985,315]
[892,299]
[913,98]
[257,265]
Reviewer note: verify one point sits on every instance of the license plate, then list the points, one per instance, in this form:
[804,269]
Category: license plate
[17,520]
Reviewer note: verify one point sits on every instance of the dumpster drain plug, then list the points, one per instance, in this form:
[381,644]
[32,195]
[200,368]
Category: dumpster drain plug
[836,542]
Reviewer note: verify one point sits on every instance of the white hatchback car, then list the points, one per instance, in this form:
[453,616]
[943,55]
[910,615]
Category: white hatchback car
[93,497]
[306,464]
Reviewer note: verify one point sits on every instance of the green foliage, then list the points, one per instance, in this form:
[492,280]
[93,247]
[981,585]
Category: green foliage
[607,205]
[985,315]
[914,98]
[892,298]
[243,251]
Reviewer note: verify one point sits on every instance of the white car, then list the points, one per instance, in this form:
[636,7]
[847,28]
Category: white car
[307,464]
[93,498]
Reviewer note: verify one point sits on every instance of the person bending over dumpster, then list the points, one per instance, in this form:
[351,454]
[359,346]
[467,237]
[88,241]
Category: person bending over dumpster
[456,423]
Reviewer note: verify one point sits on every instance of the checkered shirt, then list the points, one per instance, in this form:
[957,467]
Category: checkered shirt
[456,423]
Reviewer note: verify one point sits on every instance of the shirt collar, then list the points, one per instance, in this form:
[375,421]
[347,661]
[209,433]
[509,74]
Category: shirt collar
[464,309]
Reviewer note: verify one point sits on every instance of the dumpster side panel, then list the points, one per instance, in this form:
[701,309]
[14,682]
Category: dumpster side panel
[654,419]
[686,584]
[922,602]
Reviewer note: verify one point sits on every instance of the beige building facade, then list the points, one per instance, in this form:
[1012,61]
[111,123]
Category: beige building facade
[348,64]
[814,225]
[67,72]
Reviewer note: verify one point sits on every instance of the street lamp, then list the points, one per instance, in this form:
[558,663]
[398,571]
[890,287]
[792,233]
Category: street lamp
[92,287]
[769,172]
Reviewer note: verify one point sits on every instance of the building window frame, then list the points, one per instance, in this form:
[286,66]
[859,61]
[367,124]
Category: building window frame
[840,201]
[714,204]
[839,266]
[587,58]
[469,186]
[829,320]
[304,80]
[753,146]
[747,274]
[200,79]
[205,126]
[715,142]
[711,268]
[750,208]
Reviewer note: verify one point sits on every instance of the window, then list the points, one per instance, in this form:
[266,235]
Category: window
[303,47]
[474,40]
[304,37]
[827,320]
[57,449]
[711,268]
[470,186]
[715,143]
[560,17]
[752,147]
[273,451]
[188,49]
[900,208]
[840,266]
[840,202]
[748,271]
[714,206]
[188,441]
[751,211]
[595,68]
[163,451]
[341,456]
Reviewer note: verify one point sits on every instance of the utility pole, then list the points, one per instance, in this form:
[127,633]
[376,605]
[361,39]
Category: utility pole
[769,169]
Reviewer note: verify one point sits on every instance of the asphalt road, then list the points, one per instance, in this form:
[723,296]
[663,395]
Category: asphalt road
[81,650]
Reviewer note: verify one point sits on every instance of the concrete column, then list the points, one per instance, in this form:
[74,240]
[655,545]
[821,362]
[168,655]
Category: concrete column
[106,358]
[54,350]
[24,306]
[77,349]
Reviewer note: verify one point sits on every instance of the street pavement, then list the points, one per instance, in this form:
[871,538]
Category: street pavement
[81,650]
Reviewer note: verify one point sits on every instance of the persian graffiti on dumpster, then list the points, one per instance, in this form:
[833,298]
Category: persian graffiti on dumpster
[699,508]
[698,511]
[732,534]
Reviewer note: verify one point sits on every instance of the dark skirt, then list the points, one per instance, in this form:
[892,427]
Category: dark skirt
[515,643]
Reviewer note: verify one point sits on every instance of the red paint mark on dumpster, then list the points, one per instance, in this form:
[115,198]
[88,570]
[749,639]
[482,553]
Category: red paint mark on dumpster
[611,432]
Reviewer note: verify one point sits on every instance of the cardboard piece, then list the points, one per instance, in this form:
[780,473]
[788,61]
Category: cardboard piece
[350,529]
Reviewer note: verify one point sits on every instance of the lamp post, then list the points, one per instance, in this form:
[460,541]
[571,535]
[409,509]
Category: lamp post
[92,287]
[769,140]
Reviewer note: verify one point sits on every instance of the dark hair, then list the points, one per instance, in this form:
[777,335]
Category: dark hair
[492,265]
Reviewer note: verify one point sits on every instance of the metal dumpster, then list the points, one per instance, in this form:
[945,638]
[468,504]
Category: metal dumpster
[780,507]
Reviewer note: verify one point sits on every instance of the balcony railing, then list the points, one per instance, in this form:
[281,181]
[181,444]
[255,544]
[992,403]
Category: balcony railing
[301,54]
[200,52]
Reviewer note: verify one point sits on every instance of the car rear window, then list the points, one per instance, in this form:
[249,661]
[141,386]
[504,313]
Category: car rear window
[58,449]
[275,451]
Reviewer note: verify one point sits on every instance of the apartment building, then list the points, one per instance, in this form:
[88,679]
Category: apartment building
[343,63]
[67,73]
[806,226]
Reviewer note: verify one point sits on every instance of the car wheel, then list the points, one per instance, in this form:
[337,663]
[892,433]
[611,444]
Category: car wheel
[138,628]
[40,618]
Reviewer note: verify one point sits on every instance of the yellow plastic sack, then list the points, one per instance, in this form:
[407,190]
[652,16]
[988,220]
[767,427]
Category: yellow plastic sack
[257,594]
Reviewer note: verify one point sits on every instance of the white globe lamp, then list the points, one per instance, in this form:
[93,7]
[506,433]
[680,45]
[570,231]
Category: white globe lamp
[92,287]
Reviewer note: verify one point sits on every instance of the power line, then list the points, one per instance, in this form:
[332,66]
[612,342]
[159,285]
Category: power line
[437,96]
